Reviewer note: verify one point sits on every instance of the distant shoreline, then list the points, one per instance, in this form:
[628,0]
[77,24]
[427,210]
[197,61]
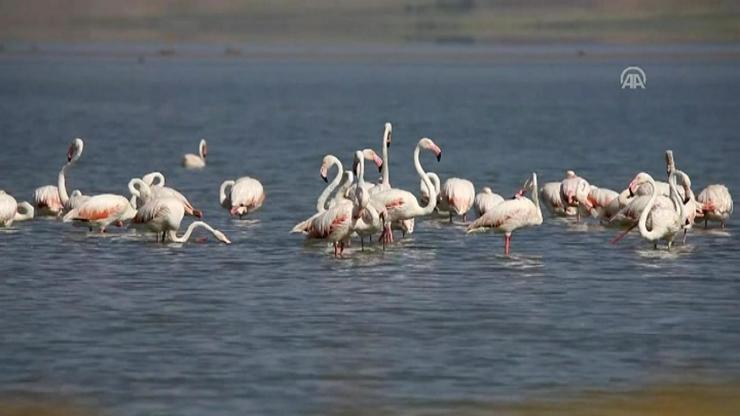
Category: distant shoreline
[414,52]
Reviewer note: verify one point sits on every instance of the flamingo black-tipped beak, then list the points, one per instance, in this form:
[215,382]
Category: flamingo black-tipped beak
[439,156]
[325,178]
[631,193]
[380,168]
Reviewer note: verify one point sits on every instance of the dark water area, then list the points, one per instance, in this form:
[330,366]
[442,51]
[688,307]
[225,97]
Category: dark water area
[274,325]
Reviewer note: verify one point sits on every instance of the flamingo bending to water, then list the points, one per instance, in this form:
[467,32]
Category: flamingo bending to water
[191,161]
[512,214]
[11,211]
[163,217]
[574,192]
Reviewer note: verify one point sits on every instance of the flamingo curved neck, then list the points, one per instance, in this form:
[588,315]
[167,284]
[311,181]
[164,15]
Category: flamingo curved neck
[536,196]
[432,203]
[186,237]
[675,197]
[642,223]
[321,202]
[62,184]
[24,211]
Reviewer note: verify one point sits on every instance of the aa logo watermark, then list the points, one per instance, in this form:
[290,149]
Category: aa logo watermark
[633,77]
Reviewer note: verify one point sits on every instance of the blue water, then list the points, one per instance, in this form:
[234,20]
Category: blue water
[272,325]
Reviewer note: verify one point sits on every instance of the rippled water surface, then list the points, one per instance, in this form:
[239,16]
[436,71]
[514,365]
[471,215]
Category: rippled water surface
[272,325]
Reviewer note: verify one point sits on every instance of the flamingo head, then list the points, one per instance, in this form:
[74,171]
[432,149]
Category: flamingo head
[427,143]
[388,134]
[221,237]
[325,165]
[569,174]
[238,210]
[75,149]
[486,190]
[370,154]
[203,148]
[582,192]
[640,179]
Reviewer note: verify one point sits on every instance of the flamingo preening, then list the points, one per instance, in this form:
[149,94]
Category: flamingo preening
[458,195]
[241,196]
[486,200]
[716,204]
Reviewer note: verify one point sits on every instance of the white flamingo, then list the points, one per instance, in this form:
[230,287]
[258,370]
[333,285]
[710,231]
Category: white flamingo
[424,191]
[11,211]
[604,203]
[402,205]
[141,192]
[485,200]
[77,198]
[191,161]
[406,226]
[370,219]
[550,193]
[716,202]
[664,222]
[163,217]
[48,199]
[512,214]
[321,203]
[100,211]
[241,196]
[458,194]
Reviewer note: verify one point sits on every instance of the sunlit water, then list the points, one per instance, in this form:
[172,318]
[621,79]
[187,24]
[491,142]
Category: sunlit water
[274,325]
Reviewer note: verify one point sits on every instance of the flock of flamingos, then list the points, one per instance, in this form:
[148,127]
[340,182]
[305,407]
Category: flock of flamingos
[351,206]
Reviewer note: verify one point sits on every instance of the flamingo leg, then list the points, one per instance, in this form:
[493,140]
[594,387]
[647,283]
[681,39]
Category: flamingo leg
[465,217]
[336,251]
[362,243]
[685,231]
[705,223]
[623,234]
[507,244]
[451,214]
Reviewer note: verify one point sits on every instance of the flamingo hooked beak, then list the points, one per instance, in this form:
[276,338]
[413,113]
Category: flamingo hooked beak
[70,153]
[378,162]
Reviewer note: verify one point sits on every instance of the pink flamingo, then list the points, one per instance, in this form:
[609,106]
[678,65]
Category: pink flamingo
[486,200]
[716,203]
[512,214]
[458,194]
[242,196]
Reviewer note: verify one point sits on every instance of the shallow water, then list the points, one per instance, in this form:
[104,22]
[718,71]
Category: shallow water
[274,325]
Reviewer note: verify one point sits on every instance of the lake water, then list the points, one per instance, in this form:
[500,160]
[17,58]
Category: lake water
[439,321]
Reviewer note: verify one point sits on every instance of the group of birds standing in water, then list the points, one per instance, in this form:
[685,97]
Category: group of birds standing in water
[351,206]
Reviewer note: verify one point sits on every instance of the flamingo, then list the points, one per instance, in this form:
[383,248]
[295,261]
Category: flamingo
[406,226]
[402,205]
[321,203]
[550,192]
[76,198]
[458,194]
[100,211]
[512,214]
[574,192]
[11,211]
[485,200]
[141,191]
[164,215]
[716,203]
[244,195]
[370,220]
[604,203]
[368,154]
[191,161]
[664,222]
[48,199]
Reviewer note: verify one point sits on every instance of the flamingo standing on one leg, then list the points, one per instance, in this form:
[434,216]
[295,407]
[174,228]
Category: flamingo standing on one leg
[716,203]
[403,205]
[242,196]
[485,200]
[11,211]
[459,195]
[512,214]
[163,217]
[191,161]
